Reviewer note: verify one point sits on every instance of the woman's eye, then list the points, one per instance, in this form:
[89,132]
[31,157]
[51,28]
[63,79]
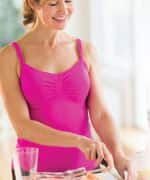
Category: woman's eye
[68,1]
[53,4]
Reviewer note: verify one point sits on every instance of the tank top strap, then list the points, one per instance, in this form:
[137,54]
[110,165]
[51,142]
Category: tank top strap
[18,52]
[80,48]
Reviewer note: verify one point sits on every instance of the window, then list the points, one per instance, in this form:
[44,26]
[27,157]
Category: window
[10,21]
[120,30]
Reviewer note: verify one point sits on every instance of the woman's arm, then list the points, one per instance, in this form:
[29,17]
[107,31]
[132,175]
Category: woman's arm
[100,117]
[18,111]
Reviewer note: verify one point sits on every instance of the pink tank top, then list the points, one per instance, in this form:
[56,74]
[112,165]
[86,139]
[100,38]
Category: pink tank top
[58,101]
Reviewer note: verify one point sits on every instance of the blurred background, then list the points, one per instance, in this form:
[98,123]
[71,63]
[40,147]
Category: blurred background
[120,30]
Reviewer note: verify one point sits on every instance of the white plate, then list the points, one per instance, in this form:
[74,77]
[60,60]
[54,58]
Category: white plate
[107,176]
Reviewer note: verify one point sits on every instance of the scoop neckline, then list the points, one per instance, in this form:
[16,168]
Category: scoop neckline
[53,74]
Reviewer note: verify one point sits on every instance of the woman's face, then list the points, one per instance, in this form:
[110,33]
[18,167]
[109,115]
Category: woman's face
[55,14]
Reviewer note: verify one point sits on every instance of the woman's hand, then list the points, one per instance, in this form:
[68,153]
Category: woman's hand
[96,150]
[123,164]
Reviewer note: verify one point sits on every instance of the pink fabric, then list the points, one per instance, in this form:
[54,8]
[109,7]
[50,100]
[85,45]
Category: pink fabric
[58,101]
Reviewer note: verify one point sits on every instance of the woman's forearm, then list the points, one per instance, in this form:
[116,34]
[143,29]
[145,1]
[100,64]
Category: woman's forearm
[108,132]
[39,133]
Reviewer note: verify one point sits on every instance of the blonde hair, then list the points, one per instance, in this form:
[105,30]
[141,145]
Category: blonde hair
[29,15]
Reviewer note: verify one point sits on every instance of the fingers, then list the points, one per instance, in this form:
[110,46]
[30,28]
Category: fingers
[96,150]
[108,157]
[90,152]
[130,173]
[100,154]
[87,153]
[93,152]
[126,169]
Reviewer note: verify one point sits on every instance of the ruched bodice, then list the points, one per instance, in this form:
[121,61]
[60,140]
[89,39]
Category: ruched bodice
[58,101]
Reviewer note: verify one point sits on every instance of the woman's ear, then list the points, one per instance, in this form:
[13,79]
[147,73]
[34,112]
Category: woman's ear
[33,4]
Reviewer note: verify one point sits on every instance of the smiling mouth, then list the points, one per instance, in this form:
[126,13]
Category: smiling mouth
[59,19]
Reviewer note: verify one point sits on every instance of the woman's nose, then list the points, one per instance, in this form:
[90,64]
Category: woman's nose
[62,8]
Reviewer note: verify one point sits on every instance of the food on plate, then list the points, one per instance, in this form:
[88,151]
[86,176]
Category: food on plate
[90,176]
[67,176]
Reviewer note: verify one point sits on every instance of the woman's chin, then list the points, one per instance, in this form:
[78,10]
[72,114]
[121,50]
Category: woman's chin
[60,27]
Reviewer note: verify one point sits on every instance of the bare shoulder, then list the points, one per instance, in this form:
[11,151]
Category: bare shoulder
[90,53]
[8,59]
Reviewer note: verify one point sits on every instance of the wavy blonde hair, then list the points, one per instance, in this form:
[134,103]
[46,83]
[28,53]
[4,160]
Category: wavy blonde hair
[29,15]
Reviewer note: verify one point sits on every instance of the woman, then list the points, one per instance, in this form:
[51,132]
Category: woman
[49,82]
